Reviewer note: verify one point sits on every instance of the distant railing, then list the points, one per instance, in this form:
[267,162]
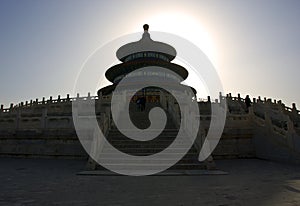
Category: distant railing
[265,104]
[49,101]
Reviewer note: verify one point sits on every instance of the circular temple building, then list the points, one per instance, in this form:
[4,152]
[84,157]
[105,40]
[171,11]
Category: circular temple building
[146,53]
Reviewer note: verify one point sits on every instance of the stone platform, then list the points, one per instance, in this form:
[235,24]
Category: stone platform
[55,182]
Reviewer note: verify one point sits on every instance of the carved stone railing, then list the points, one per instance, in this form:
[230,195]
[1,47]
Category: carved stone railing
[40,111]
[45,115]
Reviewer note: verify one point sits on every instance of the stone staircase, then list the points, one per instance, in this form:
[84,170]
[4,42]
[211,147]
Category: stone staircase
[146,148]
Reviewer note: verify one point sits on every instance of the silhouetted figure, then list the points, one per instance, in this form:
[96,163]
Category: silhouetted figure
[143,103]
[138,103]
[248,103]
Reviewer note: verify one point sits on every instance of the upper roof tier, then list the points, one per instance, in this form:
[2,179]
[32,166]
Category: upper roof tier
[146,44]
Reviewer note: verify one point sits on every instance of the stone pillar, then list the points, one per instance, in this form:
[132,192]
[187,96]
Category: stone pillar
[68,97]
[58,98]
[239,96]
[2,108]
[208,98]
[43,101]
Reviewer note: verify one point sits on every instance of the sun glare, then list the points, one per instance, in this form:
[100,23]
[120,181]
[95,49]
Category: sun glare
[190,28]
[183,25]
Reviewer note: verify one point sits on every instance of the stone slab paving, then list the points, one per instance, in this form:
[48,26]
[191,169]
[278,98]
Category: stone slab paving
[55,182]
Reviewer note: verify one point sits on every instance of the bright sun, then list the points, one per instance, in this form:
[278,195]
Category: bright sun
[183,25]
[186,26]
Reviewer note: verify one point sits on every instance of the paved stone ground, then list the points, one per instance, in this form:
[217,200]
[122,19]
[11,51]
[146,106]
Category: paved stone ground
[54,182]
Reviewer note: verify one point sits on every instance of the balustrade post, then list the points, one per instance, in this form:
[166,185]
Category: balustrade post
[239,96]
[208,98]
[2,108]
[68,97]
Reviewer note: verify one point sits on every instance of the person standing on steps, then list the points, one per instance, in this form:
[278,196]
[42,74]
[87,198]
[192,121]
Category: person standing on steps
[138,103]
[248,103]
[143,103]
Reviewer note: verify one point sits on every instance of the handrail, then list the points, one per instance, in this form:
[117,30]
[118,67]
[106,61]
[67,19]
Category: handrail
[50,101]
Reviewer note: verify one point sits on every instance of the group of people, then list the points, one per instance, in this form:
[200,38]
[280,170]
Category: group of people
[141,103]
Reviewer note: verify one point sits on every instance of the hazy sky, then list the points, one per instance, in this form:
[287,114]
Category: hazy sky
[254,45]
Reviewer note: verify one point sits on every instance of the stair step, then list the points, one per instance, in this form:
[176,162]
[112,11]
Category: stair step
[148,146]
[167,156]
[148,150]
[154,161]
[155,166]
[145,148]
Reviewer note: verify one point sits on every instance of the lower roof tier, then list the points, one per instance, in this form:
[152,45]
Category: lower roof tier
[127,67]
[110,88]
